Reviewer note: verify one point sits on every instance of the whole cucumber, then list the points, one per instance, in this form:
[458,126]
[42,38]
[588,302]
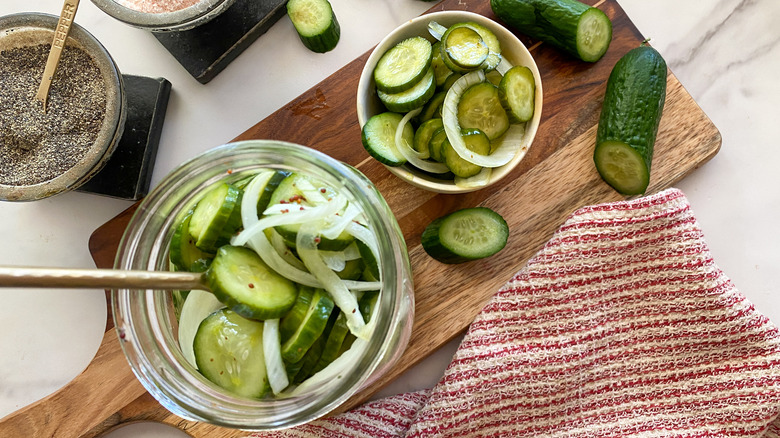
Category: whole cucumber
[580,30]
[628,124]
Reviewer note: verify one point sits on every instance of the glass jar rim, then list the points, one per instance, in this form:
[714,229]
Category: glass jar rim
[140,322]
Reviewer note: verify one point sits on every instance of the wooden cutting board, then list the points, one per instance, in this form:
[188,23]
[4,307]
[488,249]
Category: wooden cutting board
[556,177]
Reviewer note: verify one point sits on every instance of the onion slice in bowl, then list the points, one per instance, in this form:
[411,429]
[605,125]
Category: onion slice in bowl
[412,156]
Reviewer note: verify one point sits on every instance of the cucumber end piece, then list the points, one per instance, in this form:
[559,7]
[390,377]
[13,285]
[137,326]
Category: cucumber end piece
[622,167]
[594,34]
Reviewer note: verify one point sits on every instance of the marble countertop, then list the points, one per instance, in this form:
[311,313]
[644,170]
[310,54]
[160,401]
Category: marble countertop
[725,53]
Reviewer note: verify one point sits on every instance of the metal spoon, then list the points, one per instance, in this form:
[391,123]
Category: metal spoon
[64,278]
[60,35]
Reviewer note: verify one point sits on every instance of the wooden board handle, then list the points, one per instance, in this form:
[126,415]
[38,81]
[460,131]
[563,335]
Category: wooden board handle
[62,413]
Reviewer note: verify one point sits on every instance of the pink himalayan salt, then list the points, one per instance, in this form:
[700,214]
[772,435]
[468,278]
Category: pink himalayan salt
[157,6]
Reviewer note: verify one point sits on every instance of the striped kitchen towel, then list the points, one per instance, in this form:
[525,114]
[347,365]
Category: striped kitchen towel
[621,325]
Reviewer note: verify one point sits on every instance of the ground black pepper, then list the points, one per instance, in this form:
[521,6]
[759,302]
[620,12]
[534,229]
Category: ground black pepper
[35,146]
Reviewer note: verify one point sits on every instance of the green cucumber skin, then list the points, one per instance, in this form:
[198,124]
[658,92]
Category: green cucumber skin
[634,102]
[324,41]
[552,21]
[432,243]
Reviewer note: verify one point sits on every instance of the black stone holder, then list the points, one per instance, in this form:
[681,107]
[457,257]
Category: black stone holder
[128,172]
[206,50]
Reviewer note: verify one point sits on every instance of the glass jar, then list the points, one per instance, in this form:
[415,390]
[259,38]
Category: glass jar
[177,20]
[33,29]
[146,322]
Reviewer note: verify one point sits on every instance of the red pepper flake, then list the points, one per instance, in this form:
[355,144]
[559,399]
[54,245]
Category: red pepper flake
[302,208]
[283,201]
[353,310]
[285,210]
[122,334]
[230,171]
[251,285]
[323,190]
[317,239]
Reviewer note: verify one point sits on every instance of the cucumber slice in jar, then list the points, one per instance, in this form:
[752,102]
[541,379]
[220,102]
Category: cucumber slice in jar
[184,254]
[517,90]
[315,23]
[333,342]
[463,49]
[476,141]
[240,279]
[465,235]
[229,352]
[480,107]
[411,98]
[403,65]
[311,327]
[292,320]
[378,137]
[216,217]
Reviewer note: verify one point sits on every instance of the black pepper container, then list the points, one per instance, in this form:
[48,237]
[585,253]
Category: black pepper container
[42,155]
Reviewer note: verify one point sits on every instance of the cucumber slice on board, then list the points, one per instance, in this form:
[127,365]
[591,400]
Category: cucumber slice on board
[216,217]
[628,124]
[240,279]
[517,91]
[315,23]
[229,352]
[578,29]
[403,65]
[311,327]
[464,235]
[480,107]
[378,137]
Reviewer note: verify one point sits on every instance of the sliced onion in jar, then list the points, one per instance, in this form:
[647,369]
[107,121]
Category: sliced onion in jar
[252,193]
[412,156]
[277,241]
[334,260]
[272,355]
[198,305]
[449,114]
[306,244]
[340,222]
[291,217]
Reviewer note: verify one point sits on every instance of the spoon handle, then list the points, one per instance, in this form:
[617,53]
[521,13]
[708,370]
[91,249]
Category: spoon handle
[99,279]
[60,35]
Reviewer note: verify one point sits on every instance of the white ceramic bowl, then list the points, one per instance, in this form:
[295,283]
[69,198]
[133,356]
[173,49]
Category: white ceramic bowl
[368,103]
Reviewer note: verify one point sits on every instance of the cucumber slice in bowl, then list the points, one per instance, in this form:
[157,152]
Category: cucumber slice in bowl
[378,136]
[239,278]
[465,235]
[401,67]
